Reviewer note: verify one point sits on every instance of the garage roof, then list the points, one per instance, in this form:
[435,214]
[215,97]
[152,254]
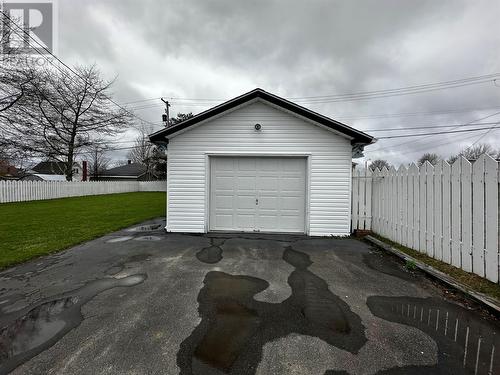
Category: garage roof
[359,137]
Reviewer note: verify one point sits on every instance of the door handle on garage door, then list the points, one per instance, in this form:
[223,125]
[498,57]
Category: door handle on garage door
[256,201]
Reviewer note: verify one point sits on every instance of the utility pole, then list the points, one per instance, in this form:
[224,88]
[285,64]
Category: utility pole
[96,167]
[167,106]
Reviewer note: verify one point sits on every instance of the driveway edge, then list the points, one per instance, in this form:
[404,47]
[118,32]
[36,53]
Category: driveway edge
[489,302]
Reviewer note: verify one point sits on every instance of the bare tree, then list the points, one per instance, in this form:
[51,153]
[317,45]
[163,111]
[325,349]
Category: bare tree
[379,164]
[15,78]
[430,157]
[141,151]
[144,152]
[65,114]
[475,151]
[16,85]
[98,161]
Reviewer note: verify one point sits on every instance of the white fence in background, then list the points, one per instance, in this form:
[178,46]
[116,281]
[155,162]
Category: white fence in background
[448,212]
[20,191]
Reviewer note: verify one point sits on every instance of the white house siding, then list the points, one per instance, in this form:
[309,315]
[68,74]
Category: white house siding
[282,133]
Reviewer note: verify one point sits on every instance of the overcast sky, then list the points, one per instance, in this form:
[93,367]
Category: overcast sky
[217,50]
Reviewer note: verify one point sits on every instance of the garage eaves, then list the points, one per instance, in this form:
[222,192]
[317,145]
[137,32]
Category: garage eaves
[358,138]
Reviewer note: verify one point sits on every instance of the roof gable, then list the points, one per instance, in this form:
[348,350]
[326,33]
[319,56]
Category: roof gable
[357,137]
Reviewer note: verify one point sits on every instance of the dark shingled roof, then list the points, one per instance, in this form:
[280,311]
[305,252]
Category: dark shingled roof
[50,167]
[133,169]
[358,137]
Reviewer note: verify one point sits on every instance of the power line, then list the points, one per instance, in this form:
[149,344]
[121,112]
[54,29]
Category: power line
[437,133]
[416,127]
[483,135]
[440,144]
[352,96]
[444,84]
[412,141]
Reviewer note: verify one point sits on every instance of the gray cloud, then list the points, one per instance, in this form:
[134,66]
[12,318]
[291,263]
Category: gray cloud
[221,48]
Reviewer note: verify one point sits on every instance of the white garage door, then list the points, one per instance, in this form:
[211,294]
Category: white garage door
[262,194]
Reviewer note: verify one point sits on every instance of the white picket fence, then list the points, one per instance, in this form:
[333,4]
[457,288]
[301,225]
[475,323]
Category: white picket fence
[20,191]
[449,212]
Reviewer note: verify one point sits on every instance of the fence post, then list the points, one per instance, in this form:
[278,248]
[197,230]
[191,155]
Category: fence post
[355,199]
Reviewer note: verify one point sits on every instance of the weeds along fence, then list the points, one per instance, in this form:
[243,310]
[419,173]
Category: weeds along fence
[448,212]
[20,191]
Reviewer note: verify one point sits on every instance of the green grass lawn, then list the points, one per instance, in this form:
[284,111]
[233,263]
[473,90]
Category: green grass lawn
[31,229]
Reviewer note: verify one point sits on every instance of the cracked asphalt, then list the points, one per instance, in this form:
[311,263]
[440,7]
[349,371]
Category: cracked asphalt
[141,301]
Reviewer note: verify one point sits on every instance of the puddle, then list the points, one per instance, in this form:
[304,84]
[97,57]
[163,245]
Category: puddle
[145,228]
[119,239]
[385,264]
[211,254]
[467,343]
[147,238]
[234,326]
[30,331]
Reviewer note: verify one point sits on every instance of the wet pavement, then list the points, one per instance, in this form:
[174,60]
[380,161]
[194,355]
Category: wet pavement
[142,301]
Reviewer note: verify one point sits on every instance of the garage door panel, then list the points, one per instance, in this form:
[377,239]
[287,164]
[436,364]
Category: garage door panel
[270,183]
[268,203]
[258,194]
[224,183]
[246,164]
[245,221]
[269,222]
[292,184]
[289,223]
[269,164]
[224,202]
[289,165]
[245,183]
[245,202]
[226,164]
[224,220]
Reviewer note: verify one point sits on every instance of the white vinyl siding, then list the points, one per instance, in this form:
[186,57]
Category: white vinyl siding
[329,165]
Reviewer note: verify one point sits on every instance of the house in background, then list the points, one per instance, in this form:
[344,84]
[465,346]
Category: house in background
[52,171]
[9,172]
[260,163]
[128,172]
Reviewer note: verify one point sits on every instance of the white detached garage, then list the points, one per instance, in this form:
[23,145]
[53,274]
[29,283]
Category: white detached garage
[260,163]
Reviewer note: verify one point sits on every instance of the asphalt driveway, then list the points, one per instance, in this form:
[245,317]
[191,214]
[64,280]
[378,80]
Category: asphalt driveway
[141,301]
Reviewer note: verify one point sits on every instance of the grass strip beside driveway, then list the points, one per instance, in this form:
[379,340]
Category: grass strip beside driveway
[31,229]
[470,280]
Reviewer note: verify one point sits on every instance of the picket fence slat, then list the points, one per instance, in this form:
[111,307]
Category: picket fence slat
[491,217]
[438,211]
[448,212]
[21,191]
[429,209]
[466,181]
